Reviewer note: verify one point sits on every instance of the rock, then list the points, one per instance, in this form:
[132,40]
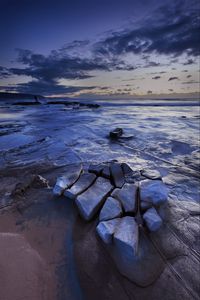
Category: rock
[116,133]
[96,169]
[152,219]
[66,180]
[127,170]
[111,209]
[153,191]
[117,175]
[145,205]
[127,197]
[106,172]
[106,230]
[84,181]
[91,200]
[126,237]
[40,182]
[151,174]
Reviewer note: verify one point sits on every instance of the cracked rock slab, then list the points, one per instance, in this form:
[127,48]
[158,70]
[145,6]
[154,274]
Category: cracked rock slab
[126,237]
[117,175]
[96,169]
[91,200]
[151,174]
[153,191]
[111,209]
[106,230]
[66,180]
[84,182]
[152,219]
[127,197]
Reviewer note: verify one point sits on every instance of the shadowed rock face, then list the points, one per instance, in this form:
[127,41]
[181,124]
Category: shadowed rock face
[111,209]
[152,219]
[90,201]
[117,175]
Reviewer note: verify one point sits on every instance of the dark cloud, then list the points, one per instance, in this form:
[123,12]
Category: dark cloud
[173,78]
[156,77]
[173,31]
[44,88]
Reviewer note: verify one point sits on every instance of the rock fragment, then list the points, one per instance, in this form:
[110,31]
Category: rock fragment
[127,170]
[111,209]
[153,191]
[145,205]
[65,181]
[151,174]
[116,133]
[127,197]
[126,237]
[92,199]
[106,230]
[117,175]
[84,182]
[152,219]
[106,172]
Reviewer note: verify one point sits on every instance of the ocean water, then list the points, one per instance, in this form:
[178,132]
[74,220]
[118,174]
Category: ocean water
[165,136]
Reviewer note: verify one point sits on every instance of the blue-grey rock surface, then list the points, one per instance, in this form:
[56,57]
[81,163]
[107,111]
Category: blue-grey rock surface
[152,219]
[106,230]
[111,209]
[153,191]
[127,197]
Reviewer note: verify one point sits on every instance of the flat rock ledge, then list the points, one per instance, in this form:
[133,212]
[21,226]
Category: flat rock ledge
[125,201]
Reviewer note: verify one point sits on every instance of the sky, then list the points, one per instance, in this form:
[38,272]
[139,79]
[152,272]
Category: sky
[99,48]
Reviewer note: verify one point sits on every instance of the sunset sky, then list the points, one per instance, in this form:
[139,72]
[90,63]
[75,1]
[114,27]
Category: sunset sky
[99,48]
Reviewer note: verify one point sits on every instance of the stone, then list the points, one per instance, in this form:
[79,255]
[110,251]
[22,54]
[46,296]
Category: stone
[152,219]
[126,237]
[40,182]
[127,197]
[145,205]
[106,230]
[117,175]
[151,174]
[153,191]
[92,199]
[66,180]
[111,209]
[96,169]
[116,133]
[127,170]
[106,172]
[82,184]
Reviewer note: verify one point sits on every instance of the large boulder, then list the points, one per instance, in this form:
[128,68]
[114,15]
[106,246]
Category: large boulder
[92,199]
[66,180]
[126,237]
[106,230]
[117,175]
[111,209]
[84,181]
[153,191]
[152,219]
[127,197]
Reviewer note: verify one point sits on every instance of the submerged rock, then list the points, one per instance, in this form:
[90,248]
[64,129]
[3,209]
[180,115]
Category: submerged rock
[117,175]
[106,230]
[91,200]
[127,197]
[111,209]
[126,237]
[152,219]
[151,174]
[84,182]
[65,181]
[153,191]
